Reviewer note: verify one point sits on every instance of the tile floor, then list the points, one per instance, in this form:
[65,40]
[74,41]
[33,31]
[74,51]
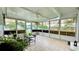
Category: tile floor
[46,44]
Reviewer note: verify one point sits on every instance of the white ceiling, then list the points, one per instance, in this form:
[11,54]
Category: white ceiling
[39,13]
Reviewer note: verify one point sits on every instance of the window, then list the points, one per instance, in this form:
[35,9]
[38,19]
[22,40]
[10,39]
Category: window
[20,25]
[40,26]
[37,27]
[28,28]
[45,25]
[34,26]
[10,24]
[54,25]
[68,27]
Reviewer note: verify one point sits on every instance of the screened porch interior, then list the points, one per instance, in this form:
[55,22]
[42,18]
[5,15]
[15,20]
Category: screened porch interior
[52,28]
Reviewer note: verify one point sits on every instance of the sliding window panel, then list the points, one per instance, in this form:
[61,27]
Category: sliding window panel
[20,25]
[34,26]
[45,25]
[68,27]
[54,26]
[21,29]
[54,29]
[40,26]
[45,28]
[28,28]
[9,26]
[67,30]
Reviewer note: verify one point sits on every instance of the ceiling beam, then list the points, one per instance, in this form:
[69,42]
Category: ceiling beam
[35,12]
[57,12]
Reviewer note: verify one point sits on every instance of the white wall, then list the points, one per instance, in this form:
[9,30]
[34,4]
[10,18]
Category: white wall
[59,37]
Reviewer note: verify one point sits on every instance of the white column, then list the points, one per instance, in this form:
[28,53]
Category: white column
[76,34]
[49,28]
[1,25]
[16,29]
[31,27]
[42,25]
[59,28]
[77,27]
[25,28]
